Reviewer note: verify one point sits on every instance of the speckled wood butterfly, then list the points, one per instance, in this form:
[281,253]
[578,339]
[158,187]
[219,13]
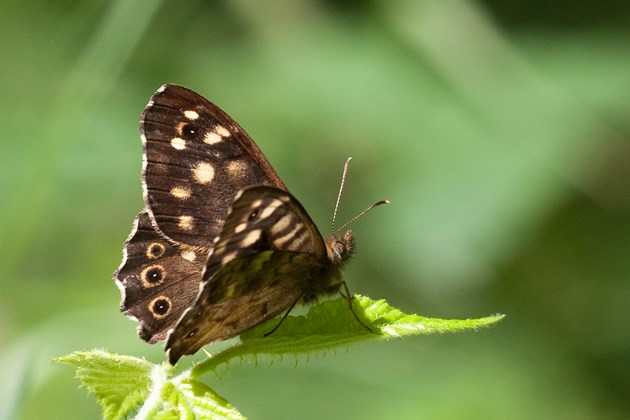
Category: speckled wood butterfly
[221,245]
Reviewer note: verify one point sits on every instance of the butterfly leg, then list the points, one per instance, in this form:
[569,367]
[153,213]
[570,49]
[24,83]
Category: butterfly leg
[286,314]
[348,297]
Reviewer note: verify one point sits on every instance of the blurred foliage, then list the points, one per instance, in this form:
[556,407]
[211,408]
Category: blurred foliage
[499,131]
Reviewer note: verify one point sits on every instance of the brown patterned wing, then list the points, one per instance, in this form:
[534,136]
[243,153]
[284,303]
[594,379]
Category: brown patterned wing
[196,159]
[157,280]
[268,252]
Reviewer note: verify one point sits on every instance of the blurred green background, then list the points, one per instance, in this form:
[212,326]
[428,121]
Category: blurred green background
[499,131]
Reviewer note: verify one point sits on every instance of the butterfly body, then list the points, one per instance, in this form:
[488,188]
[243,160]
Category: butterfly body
[221,245]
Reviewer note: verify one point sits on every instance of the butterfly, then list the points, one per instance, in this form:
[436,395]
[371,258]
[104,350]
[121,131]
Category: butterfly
[221,245]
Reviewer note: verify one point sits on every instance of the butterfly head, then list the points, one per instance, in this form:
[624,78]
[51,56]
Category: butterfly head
[340,248]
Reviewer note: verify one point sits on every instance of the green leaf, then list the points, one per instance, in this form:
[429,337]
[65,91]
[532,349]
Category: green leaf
[185,398]
[331,324]
[124,383]
[120,383]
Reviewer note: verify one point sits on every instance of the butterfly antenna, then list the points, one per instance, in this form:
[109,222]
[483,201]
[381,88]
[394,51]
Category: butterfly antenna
[343,180]
[358,216]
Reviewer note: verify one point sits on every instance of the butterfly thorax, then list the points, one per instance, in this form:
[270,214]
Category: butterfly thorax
[328,280]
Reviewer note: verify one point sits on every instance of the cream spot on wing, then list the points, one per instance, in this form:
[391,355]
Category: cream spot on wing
[300,241]
[222,131]
[185,222]
[178,143]
[180,192]
[212,138]
[229,257]
[240,228]
[251,238]
[203,173]
[270,209]
[191,115]
[216,135]
[237,168]
[282,224]
[283,240]
[189,255]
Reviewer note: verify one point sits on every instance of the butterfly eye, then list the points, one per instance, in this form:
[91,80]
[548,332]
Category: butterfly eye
[190,131]
[253,214]
[154,275]
[160,307]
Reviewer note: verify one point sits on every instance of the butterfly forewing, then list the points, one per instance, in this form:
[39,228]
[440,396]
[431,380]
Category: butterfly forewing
[196,158]
[268,255]
[264,218]
[158,281]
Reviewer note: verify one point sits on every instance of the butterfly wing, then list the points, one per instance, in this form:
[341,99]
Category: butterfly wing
[151,270]
[268,251]
[196,159]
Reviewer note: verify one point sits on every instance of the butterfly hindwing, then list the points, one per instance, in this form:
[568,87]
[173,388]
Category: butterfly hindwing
[151,269]
[268,255]
[196,158]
